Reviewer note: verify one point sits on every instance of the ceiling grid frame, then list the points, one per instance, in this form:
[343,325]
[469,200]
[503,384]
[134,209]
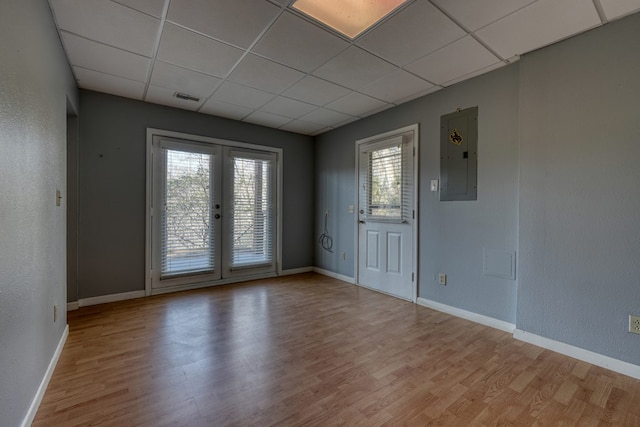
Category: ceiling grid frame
[246,97]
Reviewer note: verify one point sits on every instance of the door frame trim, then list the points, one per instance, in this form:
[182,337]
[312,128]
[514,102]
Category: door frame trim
[151,132]
[415,129]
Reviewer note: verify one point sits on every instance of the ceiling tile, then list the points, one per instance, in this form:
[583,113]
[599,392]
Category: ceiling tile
[419,94]
[150,7]
[190,50]
[315,91]
[300,126]
[414,32]
[243,96]
[261,73]
[100,82]
[474,74]
[354,68]
[183,80]
[238,22]
[160,95]
[109,23]
[266,119]
[288,107]
[457,59]
[478,13]
[325,117]
[106,59]
[321,131]
[617,8]
[224,109]
[539,24]
[396,86]
[307,46]
[356,104]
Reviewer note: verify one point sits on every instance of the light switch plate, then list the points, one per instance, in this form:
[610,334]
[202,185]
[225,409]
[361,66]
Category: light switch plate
[434,185]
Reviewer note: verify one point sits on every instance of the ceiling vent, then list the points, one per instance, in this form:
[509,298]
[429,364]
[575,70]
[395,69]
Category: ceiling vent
[186,97]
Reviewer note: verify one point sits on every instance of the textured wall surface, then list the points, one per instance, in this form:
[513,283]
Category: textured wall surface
[111,236]
[558,174]
[34,84]
[452,235]
[579,194]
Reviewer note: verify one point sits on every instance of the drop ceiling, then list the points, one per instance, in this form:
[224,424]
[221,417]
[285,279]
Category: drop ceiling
[262,62]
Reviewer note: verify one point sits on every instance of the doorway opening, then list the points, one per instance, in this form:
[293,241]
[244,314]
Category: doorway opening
[212,211]
[387,237]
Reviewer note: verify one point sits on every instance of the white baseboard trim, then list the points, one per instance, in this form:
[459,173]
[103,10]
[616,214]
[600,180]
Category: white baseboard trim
[603,361]
[468,315]
[37,399]
[103,299]
[292,271]
[73,305]
[335,275]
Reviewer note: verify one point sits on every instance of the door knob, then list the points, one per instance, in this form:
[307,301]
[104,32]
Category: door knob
[217,216]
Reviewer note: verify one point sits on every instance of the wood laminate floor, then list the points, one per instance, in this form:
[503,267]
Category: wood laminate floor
[310,350]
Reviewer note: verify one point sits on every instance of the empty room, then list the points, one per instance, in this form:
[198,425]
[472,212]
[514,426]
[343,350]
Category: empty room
[312,212]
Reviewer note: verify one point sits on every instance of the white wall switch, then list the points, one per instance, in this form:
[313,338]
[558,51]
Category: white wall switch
[434,185]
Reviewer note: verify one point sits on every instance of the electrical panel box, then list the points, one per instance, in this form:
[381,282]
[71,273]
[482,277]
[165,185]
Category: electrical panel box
[459,155]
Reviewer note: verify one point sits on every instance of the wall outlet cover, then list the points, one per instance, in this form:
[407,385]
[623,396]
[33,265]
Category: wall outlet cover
[634,324]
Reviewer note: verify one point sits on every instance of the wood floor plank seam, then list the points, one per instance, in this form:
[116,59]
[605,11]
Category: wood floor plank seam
[311,350]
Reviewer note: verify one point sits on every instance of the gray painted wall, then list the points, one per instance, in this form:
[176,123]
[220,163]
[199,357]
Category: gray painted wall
[452,234]
[35,82]
[579,193]
[72,204]
[111,235]
[559,139]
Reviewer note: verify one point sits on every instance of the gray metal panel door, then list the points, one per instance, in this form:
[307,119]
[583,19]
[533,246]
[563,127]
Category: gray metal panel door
[459,155]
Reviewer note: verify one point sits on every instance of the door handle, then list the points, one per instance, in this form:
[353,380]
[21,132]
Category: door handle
[362,222]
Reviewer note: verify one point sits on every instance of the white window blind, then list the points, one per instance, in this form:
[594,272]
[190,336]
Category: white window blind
[252,211]
[187,234]
[386,186]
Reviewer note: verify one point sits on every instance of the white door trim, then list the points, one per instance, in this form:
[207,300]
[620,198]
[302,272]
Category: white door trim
[151,132]
[414,129]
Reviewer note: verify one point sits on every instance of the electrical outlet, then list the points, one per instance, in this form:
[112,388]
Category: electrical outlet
[634,324]
[442,279]
[343,256]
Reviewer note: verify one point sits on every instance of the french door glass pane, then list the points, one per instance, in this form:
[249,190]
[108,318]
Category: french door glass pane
[252,212]
[187,232]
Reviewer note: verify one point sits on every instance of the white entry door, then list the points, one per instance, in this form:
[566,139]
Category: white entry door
[213,213]
[386,214]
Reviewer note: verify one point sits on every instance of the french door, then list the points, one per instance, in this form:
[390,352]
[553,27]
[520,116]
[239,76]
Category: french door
[212,213]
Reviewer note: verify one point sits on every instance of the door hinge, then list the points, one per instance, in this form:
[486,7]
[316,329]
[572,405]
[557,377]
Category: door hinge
[412,276]
[413,214]
[414,151]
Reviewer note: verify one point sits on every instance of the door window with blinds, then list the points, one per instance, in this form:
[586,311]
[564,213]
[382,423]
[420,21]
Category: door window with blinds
[385,169]
[250,203]
[187,232]
[213,212]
